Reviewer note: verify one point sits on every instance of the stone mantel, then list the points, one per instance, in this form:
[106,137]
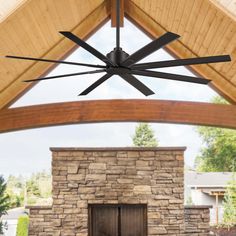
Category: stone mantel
[94,149]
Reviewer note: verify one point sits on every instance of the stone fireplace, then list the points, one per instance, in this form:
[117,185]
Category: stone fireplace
[143,185]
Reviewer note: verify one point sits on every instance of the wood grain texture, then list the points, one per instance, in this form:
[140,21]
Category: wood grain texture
[227,5]
[205,30]
[8,7]
[118,219]
[104,221]
[33,30]
[113,13]
[134,220]
[162,111]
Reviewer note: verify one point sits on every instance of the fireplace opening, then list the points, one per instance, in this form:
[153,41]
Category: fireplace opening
[117,220]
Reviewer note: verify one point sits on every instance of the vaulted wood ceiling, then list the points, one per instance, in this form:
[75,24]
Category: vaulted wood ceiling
[30,28]
[205,29]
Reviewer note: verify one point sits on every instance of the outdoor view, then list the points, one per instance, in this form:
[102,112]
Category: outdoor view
[209,160]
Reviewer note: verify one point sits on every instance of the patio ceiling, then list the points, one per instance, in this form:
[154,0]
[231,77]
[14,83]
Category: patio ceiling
[30,28]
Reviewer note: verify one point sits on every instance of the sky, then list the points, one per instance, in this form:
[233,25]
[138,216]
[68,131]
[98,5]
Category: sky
[25,152]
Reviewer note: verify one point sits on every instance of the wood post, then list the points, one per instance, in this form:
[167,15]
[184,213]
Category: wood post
[113,13]
[217,208]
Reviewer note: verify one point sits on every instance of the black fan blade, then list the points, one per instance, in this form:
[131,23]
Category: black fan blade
[137,84]
[95,84]
[87,47]
[163,75]
[55,61]
[181,62]
[65,75]
[150,48]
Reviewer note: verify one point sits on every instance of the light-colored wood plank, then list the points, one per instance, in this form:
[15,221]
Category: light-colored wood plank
[40,10]
[64,15]
[185,29]
[32,42]
[234,79]
[53,16]
[164,15]
[171,14]
[208,42]
[155,9]
[188,28]
[232,69]
[217,39]
[227,5]
[76,8]
[168,14]
[228,34]
[220,82]
[210,16]
[7,7]
[198,23]
[177,16]
[231,50]
[60,48]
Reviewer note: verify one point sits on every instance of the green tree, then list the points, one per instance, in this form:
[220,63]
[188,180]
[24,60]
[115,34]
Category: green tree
[219,100]
[33,188]
[229,204]
[219,151]
[39,188]
[144,136]
[16,199]
[4,201]
[15,190]
[15,182]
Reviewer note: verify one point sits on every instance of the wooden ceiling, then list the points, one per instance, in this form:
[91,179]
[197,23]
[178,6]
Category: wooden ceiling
[205,29]
[228,5]
[30,28]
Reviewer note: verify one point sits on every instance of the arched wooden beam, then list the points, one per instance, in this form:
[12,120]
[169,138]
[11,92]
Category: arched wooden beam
[194,113]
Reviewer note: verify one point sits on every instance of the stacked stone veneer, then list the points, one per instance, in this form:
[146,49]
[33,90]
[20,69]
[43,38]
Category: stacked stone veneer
[152,176]
[41,218]
[197,220]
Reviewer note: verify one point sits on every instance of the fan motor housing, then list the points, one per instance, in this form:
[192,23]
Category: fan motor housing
[117,55]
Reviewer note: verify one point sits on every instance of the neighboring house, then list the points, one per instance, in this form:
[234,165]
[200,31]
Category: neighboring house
[11,219]
[207,189]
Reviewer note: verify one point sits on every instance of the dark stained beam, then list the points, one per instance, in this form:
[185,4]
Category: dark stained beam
[113,13]
[194,113]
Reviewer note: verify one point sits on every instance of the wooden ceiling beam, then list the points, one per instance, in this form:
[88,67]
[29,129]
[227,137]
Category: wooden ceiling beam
[113,13]
[194,113]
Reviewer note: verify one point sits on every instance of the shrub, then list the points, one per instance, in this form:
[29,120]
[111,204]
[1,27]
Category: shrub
[229,203]
[4,202]
[22,226]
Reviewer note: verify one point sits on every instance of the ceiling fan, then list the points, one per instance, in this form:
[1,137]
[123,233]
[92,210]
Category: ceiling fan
[118,62]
